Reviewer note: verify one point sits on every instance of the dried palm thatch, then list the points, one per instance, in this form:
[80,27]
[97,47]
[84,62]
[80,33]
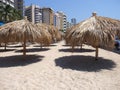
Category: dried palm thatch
[53,31]
[20,31]
[47,38]
[96,31]
[62,34]
[68,34]
[56,36]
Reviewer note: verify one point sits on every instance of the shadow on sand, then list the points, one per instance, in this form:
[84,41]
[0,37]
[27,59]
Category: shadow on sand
[76,50]
[45,46]
[7,50]
[115,51]
[34,50]
[15,46]
[52,45]
[112,50]
[70,45]
[84,63]
[19,60]
[66,45]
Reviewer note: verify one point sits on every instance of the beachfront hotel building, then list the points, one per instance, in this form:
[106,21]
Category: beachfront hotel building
[19,5]
[7,2]
[33,14]
[47,16]
[63,21]
[57,20]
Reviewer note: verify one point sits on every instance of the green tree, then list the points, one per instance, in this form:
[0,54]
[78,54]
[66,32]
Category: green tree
[8,13]
[16,14]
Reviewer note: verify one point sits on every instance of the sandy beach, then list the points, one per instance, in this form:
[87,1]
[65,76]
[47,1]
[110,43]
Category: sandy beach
[57,68]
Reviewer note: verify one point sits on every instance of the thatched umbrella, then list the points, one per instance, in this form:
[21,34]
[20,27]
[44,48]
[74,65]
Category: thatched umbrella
[96,31]
[47,38]
[20,31]
[54,32]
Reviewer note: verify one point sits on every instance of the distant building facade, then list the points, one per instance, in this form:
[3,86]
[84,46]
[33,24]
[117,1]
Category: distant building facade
[7,2]
[19,5]
[33,14]
[63,21]
[69,25]
[73,21]
[57,20]
[47,16]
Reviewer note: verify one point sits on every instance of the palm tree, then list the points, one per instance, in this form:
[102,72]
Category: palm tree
[16,14]
[8,13]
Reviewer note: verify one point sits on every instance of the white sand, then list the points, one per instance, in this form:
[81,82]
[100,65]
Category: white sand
[59,69]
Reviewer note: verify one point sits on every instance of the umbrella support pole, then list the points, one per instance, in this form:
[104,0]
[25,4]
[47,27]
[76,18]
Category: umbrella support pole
[24,46]
[5,46]
[96,54]
[72,49]
[41,45]
[81,46]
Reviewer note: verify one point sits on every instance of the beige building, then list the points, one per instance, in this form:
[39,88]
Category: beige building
[33,14]
[47,16]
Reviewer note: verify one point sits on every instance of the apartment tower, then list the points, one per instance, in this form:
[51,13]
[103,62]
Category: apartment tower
[19,5]
[33,14]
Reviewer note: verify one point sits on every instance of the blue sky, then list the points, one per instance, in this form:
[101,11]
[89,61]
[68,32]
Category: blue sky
[81,9]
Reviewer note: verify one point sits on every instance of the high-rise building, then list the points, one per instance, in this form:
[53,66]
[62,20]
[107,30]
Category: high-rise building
[47,16]
[19,5]
[73,21]
[63,21]
[7,2]
[57,20]
[33,14]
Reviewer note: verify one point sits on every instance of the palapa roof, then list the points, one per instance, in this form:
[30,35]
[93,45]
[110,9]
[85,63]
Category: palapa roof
[97,31]
[54,32]
[47,38]
[18,30]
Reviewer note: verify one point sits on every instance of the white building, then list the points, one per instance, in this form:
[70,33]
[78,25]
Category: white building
[63,21]
[57,20]
[7,2]
[69,25]
[33,14]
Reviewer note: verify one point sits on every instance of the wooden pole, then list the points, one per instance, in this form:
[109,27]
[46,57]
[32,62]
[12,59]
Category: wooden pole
[81,46]
[41,45]
[96,54]
[5,46]
[72,49]
[24,45]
